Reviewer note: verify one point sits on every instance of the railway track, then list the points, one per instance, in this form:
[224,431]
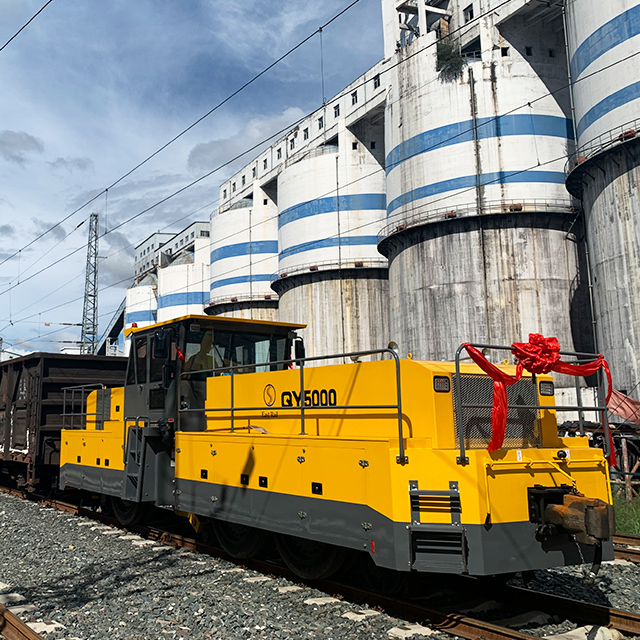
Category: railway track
[627,547]
[12,628]
[454,623]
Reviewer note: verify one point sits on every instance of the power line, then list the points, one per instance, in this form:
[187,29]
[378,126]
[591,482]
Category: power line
[430,204]
[24,26]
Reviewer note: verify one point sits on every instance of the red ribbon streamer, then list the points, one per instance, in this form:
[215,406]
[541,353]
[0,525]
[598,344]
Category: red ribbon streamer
[539,355]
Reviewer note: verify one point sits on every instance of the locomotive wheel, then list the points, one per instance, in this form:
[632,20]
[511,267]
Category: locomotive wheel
[238,540]
[128,512]
[382,580]
[310,559]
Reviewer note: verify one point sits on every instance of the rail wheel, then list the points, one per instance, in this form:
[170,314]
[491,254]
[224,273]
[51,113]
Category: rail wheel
[381,580]
[238,540]
[310,559]
[128,512]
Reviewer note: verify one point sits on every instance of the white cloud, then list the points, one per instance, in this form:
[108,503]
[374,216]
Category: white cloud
[16,146]
[209,155]
[72,164]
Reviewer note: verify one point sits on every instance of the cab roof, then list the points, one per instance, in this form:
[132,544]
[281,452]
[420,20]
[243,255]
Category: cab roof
[209,320]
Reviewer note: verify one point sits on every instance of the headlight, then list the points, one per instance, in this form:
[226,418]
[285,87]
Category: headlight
[546,388]
[442,384]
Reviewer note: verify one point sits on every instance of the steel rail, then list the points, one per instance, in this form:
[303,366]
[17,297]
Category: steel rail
[12,628]
[583,612]
[624,552]
[626,538]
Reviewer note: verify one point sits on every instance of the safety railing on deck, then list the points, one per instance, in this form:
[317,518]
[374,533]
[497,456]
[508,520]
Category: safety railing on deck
[608,140]
[423,214]
[239,369]
[460,405]
[74,397]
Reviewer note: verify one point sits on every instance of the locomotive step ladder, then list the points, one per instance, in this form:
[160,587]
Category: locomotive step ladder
[134,459]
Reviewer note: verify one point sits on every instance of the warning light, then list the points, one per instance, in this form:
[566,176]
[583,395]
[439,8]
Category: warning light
[134,325]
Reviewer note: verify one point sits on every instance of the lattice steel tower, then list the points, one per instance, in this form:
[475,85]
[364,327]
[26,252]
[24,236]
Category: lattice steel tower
[89,337]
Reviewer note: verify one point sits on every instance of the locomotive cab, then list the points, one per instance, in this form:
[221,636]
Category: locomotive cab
[122,444]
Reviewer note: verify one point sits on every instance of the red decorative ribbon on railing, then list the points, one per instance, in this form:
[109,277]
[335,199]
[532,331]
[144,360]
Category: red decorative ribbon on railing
[539,355]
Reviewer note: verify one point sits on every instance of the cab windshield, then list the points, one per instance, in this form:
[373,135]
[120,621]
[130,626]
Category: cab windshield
[211,349]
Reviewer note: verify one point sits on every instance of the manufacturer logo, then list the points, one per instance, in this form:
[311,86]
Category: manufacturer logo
[269,395]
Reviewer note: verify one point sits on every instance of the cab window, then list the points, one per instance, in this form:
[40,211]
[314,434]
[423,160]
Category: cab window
[141,359]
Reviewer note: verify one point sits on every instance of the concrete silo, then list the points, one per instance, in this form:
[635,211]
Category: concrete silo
[183,282]
[244,255]
[481,234]
[141,304]
[604,49]
[330,274]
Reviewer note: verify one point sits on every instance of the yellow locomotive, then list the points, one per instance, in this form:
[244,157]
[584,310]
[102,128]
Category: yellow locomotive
[374,454]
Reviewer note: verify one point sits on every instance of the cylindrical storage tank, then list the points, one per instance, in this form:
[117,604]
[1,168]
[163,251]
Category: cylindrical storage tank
[141,305]
[604,40]
[244,257]
[479,232]
[182,286]
[500,144]
[330,274]
[485,279]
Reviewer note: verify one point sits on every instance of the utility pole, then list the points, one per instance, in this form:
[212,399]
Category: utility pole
[89,337]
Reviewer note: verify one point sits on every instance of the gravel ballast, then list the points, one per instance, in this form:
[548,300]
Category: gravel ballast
[100,583]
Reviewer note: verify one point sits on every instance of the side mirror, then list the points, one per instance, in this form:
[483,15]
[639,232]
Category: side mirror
[167,375]
[161,344]
[298,348]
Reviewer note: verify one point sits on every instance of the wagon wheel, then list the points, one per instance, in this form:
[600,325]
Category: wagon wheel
[310,559]
[238,540]
[128,512]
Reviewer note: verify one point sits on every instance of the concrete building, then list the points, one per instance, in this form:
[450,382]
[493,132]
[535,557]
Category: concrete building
[147,253]
[319,194]
[480,232]
[172,277]
[604,43]
[183,276]
[244,255]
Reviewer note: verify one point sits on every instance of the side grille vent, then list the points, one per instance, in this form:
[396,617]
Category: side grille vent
[438,548]
[448,542]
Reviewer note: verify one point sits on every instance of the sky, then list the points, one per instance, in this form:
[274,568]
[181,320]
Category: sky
[90,89]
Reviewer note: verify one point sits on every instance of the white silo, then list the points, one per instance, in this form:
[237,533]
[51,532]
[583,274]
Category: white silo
[183,284]
[604,49]
[330,274]
[244,255]
[480,232]
[141,305]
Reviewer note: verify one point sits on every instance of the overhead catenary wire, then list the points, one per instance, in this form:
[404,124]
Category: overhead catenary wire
[24,26]
[341,94]
[230,271]
[462,133]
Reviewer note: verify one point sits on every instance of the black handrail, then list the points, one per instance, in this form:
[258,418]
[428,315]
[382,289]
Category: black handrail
[401,458]
[601,408]
[82,400]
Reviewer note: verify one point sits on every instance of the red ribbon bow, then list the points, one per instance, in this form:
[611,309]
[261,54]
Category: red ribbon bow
[539,355]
